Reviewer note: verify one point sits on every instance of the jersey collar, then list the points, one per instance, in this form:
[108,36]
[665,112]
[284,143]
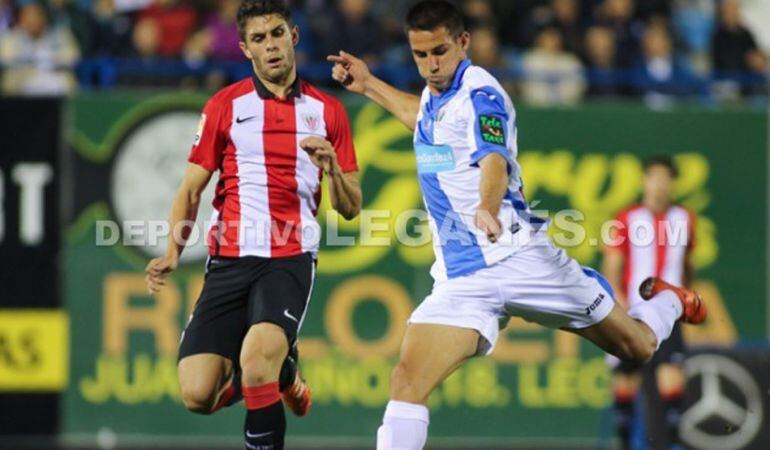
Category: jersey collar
[265,94]
[436,102]
[458,78]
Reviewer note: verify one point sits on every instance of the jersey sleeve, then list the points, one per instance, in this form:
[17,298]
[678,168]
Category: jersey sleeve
[489,130]
[210,141]
[338,132]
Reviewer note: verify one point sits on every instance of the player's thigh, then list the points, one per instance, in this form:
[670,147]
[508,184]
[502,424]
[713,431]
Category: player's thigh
[429,354]
[281,294]
[542,284]
[262,353]
[201,377]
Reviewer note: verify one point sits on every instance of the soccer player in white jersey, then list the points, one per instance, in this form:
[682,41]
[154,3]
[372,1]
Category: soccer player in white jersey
[493,259]
[654,238]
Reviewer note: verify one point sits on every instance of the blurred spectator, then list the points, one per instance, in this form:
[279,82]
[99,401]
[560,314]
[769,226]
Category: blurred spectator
[519,28]
[6,16]
[112,30]
[605,80]
[735,54]
[566,18]
[218,39]
[552,76]
[146,38]
[354,29]
[38,58]
[619,16]
[693,22]
[148,67]
[175,21]
[391,15]
[660,76]
[485,51]
[479,13]
[70,15]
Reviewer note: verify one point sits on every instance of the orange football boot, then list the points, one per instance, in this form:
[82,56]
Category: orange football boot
[693,307]
[297,396]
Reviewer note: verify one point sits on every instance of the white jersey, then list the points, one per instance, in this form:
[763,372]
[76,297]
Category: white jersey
[455,130]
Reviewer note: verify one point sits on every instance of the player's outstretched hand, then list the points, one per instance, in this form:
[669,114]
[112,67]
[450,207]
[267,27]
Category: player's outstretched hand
[157,271]
[321,152]
[349,71]
[488,224]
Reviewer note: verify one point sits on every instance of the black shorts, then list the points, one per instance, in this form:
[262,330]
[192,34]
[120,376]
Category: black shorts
[241,292]
[671,351]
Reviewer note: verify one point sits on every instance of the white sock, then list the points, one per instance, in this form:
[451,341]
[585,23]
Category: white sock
[404,427]
[660,313]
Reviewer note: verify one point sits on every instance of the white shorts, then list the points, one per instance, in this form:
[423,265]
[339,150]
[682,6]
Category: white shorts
[538,283]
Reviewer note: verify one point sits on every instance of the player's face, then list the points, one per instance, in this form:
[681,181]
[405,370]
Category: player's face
[269,41]
[437,54]
[658,185]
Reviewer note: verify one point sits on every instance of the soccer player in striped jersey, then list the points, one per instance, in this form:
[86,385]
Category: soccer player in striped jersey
[272,138]
[493,258]
[654,238]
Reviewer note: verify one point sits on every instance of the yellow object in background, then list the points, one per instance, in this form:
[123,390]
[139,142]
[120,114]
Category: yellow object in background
[34,350]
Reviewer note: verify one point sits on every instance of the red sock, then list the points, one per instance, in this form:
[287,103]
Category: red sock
[261,396]
[265,425]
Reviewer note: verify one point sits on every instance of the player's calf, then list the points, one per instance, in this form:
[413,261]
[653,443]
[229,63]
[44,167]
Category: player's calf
[201,378]
[264,349]
[636,347]
[199,399]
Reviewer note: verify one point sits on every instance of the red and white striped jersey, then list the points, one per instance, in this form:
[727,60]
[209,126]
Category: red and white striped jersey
[653,245]
[268,190]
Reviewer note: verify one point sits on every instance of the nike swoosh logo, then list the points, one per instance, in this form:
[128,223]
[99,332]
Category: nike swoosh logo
[258,435]
[239,120]
[287,314]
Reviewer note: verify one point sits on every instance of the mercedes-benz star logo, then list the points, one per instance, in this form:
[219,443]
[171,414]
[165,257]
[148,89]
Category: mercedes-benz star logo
[740,412]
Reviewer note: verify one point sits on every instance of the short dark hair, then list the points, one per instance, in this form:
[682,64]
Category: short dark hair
[431,14]
[662,160]
[256,8]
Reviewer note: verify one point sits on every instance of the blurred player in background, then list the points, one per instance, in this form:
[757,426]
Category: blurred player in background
[493,258]
[629,261]
[272,137]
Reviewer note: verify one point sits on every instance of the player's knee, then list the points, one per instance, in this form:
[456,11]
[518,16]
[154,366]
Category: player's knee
[198,399]
[258,367]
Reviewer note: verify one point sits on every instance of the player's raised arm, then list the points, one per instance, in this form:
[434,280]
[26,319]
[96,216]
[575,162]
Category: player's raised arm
[184,210]
[355,76]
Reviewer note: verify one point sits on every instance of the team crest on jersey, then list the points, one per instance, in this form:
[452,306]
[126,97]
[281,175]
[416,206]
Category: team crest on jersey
[312,122]
[492,129]
[199,133]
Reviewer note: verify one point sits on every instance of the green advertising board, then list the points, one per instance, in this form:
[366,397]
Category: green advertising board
[128,153]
